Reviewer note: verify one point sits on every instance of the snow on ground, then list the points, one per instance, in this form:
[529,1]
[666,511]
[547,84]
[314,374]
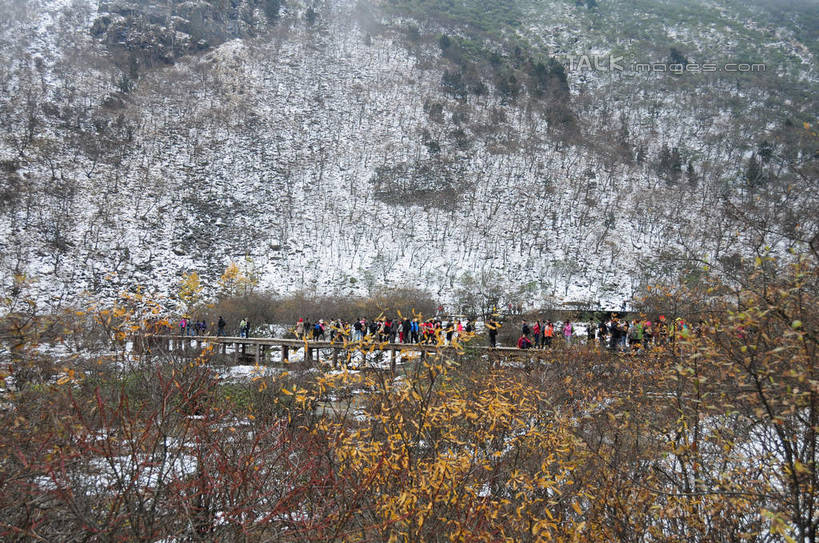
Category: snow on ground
[268,152]
[247,373]
[102,474]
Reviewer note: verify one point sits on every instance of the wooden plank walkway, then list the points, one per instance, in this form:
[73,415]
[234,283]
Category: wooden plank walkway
[255,348]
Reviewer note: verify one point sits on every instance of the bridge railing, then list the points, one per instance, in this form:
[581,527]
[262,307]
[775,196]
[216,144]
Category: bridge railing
[255,348]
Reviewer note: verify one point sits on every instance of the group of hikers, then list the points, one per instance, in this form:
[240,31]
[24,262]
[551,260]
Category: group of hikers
[188,327]
[541,334]
[384,329]
[615,333]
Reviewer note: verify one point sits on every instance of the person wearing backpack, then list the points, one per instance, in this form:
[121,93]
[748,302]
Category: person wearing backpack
[492,327]
[614,333]
[624,328]
[387,334]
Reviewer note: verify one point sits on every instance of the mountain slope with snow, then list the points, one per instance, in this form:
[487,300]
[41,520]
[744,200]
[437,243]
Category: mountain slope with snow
[334,156]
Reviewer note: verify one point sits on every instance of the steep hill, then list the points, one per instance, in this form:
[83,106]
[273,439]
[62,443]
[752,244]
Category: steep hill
[552,151]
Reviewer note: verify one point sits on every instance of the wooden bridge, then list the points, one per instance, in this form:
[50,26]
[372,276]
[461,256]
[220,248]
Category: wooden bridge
[256,348]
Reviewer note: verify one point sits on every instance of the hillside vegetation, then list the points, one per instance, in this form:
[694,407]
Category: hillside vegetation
[339,147]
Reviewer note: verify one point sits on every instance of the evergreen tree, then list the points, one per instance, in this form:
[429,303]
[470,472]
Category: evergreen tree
[624,131]
[479,88]
[765,151]
[539,79]
[557,73]
[676,162]
[623,138]
[641,153]
[453,84]
[433,147]
[677,57]
[691,175]
[271,9]
[125,83]
[310,16]
[508,86]
[753,172]
[664,160]
[444,43]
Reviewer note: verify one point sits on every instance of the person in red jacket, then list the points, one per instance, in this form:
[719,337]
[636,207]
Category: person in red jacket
[524,342]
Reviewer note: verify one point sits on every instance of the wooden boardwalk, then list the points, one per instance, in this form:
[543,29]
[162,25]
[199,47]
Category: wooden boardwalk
[256,348]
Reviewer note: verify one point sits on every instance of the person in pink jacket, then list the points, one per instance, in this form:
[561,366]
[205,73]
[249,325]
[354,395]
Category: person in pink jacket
[567,333]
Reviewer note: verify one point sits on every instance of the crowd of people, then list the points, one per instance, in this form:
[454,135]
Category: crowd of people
[384,329]
[614,333]
[188,327]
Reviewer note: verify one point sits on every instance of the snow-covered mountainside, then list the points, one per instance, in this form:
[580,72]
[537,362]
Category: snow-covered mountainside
[339,147]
